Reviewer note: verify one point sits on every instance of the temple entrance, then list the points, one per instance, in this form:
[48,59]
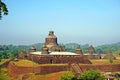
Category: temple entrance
[51,61]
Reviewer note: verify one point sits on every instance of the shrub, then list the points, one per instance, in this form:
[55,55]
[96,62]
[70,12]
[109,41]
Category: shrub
[91,75]
[111,60]
[87,75]
[68,76]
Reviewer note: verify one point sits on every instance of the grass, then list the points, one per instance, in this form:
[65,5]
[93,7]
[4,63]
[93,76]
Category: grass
[28,63]
[25,63]
[4,74]
[3,61]
[105,61]
[4,71]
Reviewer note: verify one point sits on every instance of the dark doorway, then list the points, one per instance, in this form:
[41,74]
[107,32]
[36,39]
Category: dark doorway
[51,61]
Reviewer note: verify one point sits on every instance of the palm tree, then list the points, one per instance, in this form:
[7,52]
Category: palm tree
[3,9]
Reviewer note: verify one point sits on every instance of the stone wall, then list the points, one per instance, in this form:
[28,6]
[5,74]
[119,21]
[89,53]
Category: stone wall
[15,71]
[51,40]
[105,68]
[51,59]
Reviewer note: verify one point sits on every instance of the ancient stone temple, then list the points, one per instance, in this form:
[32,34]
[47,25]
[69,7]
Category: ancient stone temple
[92,53]
[51,43]
[79,50]
[44,50]
[109,55]
[91,50]
[52,53]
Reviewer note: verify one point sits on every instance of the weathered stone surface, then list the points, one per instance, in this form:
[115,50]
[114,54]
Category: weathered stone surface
[15,71]
[51,42]
[79,50]
[53,59]
[91,50]
[109,55]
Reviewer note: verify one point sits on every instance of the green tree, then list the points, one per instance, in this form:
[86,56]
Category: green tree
[91,75]
[111,60]
[68,76]
[11,55]
[87,75]
[3,9]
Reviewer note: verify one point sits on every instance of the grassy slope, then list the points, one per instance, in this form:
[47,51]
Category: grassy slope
[28,63]
[3,61]
[25,63]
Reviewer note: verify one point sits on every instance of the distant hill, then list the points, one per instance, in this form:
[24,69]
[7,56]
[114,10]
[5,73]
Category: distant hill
[103,48]
[113,47]
[71,47]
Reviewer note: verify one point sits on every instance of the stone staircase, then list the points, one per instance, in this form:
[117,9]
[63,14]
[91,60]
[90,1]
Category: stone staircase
[76,69]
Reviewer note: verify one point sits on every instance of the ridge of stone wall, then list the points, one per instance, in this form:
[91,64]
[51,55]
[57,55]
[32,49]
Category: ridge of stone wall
[14,70]
[105,68]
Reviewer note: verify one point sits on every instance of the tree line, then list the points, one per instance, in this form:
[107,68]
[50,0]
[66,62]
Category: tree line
[12,51]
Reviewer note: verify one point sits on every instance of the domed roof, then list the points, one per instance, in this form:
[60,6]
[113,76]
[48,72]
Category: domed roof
[62,53]
[54,53]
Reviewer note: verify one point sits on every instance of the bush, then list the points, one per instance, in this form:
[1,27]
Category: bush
[91,75]
[4,78]
[68,76]
[87,75]
[111,61]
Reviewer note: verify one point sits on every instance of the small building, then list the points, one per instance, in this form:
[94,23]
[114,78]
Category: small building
[91,50]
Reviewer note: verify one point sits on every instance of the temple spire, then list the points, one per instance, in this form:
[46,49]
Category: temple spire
[79,50]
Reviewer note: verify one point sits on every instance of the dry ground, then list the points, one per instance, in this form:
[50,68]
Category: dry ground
[52,76]
[106,61]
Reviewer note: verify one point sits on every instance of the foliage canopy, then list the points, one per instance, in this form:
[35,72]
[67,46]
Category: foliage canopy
[3,9]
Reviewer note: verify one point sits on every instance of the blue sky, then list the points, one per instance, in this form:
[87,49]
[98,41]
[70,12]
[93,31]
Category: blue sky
[94,22]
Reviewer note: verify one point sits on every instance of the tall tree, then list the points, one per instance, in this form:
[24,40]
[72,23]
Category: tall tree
[3,9]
